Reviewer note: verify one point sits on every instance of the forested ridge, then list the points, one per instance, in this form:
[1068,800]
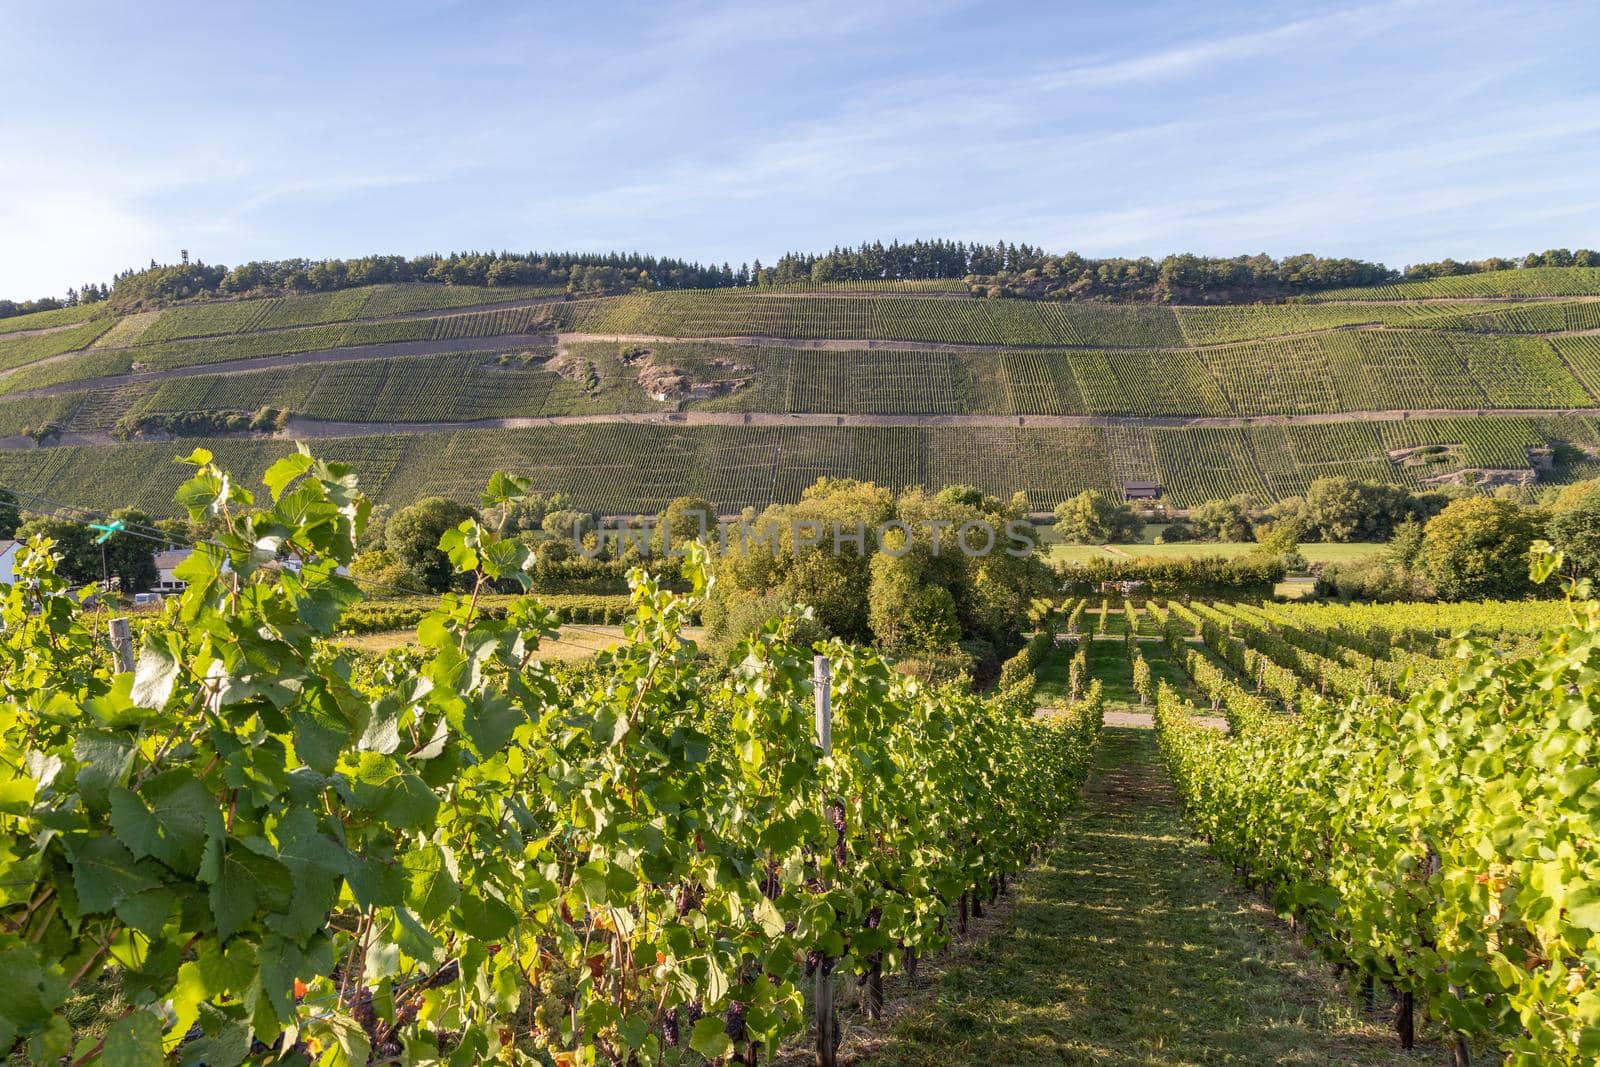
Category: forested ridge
[1003,269]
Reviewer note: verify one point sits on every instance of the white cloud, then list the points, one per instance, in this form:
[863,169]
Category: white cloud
[53,239]
[737,129]
[1189,59]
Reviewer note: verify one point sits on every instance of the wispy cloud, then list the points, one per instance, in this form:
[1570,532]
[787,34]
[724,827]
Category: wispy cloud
[726,130]
[1191,58]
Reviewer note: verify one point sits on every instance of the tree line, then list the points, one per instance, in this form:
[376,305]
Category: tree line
[88,293]
[1446,544]
[1553,257]
[1026,272]
[162,283]
[914,594]
[1003,269]
[128,559]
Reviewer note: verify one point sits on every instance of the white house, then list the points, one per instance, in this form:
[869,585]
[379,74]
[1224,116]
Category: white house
[8,562]
[172,558]
[166,563]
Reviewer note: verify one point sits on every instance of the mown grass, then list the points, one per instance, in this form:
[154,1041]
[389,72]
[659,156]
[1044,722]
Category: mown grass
[1110,665]
[1164,668]
[1316,552]
[1127,946]
[1054,673]
[569,644]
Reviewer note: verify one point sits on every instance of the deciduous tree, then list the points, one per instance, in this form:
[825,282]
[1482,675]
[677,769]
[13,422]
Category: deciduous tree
[1477,549]
[1094,518]
[412,537]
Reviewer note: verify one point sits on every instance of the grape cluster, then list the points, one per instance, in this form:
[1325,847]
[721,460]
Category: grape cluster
[815,958]
[690,896]
[669,1028]
[733,1021]
[558,986]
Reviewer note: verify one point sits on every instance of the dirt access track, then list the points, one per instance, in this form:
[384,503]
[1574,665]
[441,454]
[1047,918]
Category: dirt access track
[300,428]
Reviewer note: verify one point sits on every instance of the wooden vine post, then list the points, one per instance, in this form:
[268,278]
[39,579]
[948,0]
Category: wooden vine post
[827,1022]
[1406,1020]
[122,644]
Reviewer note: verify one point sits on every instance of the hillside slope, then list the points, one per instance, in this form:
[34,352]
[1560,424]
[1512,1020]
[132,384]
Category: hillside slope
[746,396]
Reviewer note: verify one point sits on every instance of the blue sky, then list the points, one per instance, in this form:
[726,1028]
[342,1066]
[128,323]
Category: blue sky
[727,131]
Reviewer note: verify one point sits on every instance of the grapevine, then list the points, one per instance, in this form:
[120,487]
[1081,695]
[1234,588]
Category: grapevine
[269,845]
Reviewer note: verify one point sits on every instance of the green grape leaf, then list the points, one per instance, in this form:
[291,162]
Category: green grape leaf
[147,911]
[414,939]
[710,1039]
[385,789]
[115,708]
[489,722]
[484,917]
[634,1030]
[134,1041]
[716,982]
[246,884]
[286,470]
[431,881]
[769,917]
[156,671]
[504,488]
[30,992]
[104,760]
[1583,906]
[171,820]
[347,1044]
[104,873]
[376,881]
[224,1041]
[320,735]
[282,962]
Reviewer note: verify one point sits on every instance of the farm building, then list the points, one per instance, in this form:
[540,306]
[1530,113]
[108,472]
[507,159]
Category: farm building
[166,563]
[1141,491]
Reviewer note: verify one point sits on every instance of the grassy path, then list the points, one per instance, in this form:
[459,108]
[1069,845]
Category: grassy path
[1129,946]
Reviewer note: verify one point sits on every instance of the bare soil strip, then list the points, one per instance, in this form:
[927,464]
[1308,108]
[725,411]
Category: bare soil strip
[840,345]
[301,428]
[322,428]
[41,331]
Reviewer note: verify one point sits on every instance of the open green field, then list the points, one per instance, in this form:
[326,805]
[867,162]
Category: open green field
[1315,552]
[572,643]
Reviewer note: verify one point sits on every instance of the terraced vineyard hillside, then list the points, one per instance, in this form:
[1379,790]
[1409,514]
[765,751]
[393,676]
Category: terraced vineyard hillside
[748,395]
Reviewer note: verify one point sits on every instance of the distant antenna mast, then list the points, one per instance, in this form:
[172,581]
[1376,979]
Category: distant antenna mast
[184,255]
